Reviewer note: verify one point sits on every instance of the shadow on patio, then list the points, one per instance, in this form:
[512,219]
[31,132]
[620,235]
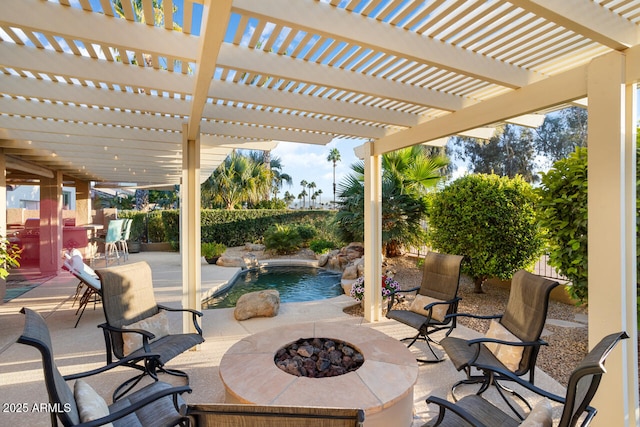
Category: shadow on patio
[82,348]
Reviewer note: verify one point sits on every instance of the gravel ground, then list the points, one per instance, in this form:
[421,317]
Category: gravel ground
[567,345]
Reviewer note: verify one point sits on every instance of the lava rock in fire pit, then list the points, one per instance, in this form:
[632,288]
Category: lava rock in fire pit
[318,358]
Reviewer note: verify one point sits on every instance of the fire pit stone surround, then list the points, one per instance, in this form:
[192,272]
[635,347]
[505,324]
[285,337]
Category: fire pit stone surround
[382,386]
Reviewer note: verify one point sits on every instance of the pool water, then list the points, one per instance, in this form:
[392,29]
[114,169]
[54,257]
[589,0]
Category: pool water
[294,283]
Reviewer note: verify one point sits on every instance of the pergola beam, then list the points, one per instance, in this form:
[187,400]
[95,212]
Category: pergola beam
[587,18]
[333,22]
[537,96]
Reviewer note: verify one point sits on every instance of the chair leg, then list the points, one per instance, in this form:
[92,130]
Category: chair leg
[426,339]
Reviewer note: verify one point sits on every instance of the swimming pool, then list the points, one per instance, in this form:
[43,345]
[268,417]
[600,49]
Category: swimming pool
[295,284]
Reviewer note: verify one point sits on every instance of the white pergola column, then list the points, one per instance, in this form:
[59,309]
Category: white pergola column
[190,227]
[372,234]
[612,230]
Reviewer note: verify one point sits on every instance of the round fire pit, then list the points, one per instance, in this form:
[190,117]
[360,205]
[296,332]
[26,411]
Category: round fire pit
[318,358]
[382,386]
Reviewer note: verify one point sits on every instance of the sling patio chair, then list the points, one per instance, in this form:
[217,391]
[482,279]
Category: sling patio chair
[87,278]
[436,297]
[232,415]
[112,240]
[474,410]
[156,404]
[136,325]
[512,341]
[124,238]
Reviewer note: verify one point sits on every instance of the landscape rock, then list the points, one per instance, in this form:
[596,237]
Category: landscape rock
[230,261]
[255,247]
[257,304]
[350,272]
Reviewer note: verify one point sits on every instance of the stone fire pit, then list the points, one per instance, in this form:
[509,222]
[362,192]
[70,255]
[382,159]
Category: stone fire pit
[382,386]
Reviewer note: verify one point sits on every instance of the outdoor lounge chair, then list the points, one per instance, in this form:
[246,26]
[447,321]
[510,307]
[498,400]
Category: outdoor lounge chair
[232,415]
[512,341]
[87,277]
[136,325]
[436,297]
[153,405]
[583,383]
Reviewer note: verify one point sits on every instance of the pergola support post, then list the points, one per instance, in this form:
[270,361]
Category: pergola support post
[612,231]
[190,227]
[372,234]
[50,242]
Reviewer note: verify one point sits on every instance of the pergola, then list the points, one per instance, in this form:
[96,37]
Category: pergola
[91,92]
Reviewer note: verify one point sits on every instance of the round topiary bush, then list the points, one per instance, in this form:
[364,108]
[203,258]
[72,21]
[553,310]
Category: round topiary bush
[489,219]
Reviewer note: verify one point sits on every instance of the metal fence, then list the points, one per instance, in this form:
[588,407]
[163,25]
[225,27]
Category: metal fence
[541,268]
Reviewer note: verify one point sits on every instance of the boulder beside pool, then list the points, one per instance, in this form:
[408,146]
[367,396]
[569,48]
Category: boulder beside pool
[257,304]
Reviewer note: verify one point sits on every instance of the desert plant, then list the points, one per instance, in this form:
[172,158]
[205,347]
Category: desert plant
[212,249]
[321,246]
[563,213]
[306,232]
[282,239]
[491,221]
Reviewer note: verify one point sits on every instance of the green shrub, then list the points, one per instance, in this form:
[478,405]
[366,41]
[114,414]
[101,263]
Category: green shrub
[306,232]
[321,246]
[212,249]
[563,213]
[283,239]
[491,221]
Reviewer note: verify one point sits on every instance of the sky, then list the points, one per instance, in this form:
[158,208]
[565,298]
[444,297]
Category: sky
[309,162]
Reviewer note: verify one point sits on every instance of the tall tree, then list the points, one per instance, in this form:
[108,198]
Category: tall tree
[334,156]
[311,186]
[562,133]
[509,153]
[239,179]
[303,184]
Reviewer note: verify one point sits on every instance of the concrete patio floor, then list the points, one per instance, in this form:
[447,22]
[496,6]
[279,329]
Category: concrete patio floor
[82,348]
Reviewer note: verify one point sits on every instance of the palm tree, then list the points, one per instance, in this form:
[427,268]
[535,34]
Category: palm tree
[288,198]
[274,164]
[407,176]
[319,193]
[237,180]
[311,186]
[303,184]
[334,156]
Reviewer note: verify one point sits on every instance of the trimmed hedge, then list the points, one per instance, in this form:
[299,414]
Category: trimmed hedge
[146,227]
[237,227]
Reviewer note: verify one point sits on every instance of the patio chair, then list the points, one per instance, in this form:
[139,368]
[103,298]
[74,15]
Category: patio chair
[436,297]
[232,415]
[136,325]
[87,277]
[512,341]
[124,237]
[155,404]
[112,240]
[473,410]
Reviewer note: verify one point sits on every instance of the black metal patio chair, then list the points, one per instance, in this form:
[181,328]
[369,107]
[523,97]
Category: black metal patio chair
[436,298]
[153,405]
[474,410]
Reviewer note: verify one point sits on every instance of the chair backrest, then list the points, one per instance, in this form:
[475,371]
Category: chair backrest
[126,229]
[440,276]
[526,312]
[584,381]
[114,230]
[232,415]
[127,297]
[36,334]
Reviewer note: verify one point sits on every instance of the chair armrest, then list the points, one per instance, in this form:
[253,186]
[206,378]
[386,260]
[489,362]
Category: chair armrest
[194,315]
[393,296]
[175,391]
[474,316]
[110,366]
[512,343]
[445,405]
[146,336]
